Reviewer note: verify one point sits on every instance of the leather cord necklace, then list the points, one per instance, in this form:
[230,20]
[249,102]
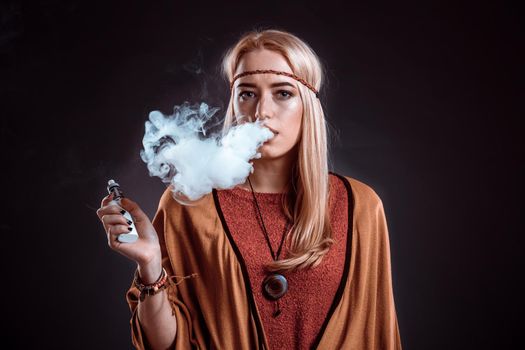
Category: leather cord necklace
[275,285]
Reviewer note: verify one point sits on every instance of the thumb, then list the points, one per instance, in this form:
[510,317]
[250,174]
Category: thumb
[134,209]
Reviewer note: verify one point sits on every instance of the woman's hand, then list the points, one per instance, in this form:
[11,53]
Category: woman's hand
[146,249]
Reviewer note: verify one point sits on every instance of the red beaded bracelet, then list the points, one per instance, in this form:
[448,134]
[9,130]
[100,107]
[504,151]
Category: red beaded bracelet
[153,288]
[159,285]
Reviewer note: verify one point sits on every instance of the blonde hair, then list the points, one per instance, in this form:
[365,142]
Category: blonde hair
[307,203]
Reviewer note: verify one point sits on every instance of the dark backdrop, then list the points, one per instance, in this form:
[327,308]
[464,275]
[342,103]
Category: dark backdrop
[421,103]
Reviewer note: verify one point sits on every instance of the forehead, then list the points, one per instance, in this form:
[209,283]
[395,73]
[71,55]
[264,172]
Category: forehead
[263,59]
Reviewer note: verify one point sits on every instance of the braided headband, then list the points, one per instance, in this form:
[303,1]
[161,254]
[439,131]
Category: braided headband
[262,71]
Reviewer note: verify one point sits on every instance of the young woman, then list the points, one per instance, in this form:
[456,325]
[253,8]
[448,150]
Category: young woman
[297,257]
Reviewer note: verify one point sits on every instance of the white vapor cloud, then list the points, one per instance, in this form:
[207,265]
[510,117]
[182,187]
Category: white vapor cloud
[178,151]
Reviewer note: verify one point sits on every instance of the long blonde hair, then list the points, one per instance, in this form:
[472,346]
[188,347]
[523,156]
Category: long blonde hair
[307,202]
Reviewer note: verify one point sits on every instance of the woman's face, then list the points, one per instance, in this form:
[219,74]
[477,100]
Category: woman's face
[270,97]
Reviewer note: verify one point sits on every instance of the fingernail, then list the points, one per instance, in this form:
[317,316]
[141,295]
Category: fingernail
[130,229]
[129,222]
[123,212]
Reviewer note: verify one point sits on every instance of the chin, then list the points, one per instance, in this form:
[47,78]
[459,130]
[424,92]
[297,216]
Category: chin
[269,153]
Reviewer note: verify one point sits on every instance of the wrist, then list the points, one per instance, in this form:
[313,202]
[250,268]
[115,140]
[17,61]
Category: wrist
[150,272]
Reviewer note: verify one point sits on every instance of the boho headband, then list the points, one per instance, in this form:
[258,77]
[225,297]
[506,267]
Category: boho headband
[262,71]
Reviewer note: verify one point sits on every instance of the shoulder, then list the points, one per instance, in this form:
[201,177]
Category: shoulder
[167,200]
[363,194]
[368,213]
[177,217]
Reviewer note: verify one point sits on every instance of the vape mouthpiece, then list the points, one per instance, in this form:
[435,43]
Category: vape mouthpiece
[114,187]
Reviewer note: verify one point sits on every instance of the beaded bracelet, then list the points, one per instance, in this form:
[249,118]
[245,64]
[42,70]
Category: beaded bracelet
[159,285]
[153,288]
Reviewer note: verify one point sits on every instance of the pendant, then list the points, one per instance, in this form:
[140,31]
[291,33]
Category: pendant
[275,286]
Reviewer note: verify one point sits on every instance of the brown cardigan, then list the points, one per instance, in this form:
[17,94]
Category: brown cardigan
[216,310]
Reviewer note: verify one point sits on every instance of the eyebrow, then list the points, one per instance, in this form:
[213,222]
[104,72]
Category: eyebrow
[273,85]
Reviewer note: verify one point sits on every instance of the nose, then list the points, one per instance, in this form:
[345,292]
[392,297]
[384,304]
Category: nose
[264,108]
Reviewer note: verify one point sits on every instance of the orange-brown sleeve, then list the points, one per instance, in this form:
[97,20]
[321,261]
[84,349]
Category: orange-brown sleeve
[387,328]
[183,338]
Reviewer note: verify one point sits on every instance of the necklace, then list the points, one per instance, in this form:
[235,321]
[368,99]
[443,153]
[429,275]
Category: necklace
[275,285]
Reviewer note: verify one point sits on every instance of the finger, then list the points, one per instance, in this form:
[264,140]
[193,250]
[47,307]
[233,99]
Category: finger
[133,208]
[106,200]
[116,230]
[115,219]
[110,209]
[113,241]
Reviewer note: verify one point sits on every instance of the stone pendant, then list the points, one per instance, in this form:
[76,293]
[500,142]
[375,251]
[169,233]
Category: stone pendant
[275,286]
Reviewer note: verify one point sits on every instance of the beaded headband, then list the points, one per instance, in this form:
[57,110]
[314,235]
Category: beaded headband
[262,71]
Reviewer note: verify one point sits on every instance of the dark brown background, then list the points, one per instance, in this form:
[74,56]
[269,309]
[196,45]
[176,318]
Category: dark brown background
[422,99]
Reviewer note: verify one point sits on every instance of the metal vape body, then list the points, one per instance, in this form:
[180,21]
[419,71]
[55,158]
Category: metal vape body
[132,236]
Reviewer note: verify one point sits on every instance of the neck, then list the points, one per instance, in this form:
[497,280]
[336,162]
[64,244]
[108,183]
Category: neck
[269,176]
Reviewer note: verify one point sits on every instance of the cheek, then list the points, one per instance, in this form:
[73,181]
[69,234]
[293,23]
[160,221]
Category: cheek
[292,127]
[295,117]
[242,109]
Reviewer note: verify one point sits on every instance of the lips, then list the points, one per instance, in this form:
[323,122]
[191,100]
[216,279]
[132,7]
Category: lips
[275,132]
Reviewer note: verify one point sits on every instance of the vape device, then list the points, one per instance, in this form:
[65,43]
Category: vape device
[132,236]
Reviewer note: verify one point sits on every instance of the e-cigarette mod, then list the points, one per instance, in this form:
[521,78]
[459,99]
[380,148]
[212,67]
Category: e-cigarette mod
[132,236]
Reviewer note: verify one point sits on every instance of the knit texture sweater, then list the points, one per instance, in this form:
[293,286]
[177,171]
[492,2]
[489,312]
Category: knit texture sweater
[305,306]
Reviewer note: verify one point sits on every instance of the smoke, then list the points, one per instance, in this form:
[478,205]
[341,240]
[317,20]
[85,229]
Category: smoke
[178,151]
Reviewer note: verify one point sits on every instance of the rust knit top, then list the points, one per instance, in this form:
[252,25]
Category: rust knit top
[311,292]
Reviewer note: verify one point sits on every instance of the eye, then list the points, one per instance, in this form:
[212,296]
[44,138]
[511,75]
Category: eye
[285,94]
[246,94]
